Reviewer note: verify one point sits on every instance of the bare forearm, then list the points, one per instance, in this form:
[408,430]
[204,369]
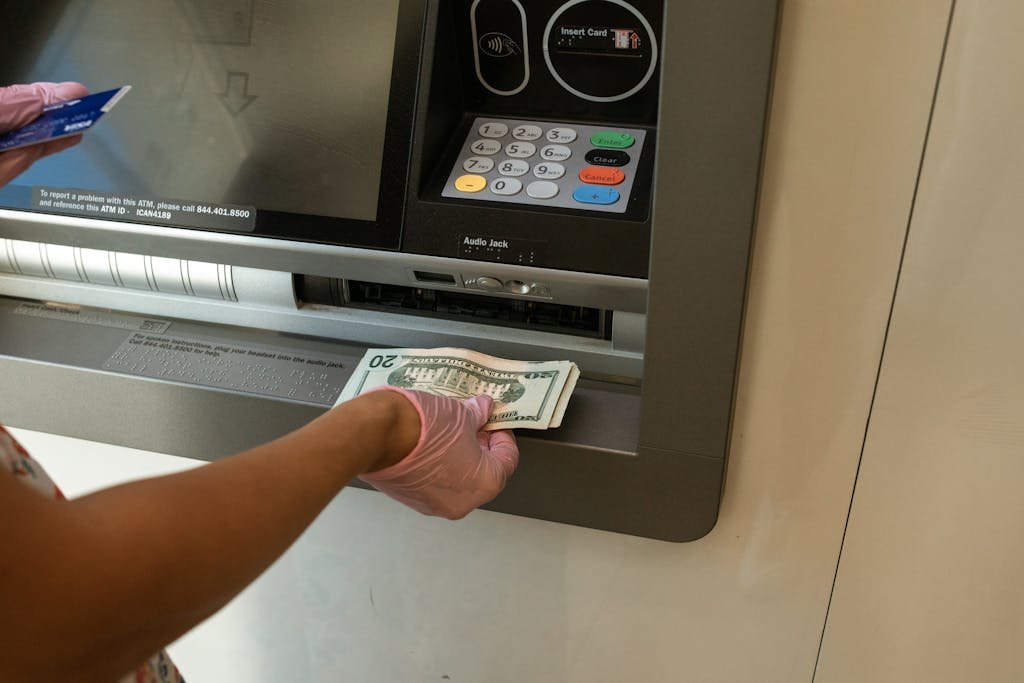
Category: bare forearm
[143,562]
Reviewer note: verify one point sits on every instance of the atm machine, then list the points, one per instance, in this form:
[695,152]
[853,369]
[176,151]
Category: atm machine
[288,184]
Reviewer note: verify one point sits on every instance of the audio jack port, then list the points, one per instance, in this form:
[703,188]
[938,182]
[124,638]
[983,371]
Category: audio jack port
[517,287]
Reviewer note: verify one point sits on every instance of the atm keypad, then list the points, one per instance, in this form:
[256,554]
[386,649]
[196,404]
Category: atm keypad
[572,166]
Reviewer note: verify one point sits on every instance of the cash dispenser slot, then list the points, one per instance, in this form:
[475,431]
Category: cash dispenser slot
[582,321]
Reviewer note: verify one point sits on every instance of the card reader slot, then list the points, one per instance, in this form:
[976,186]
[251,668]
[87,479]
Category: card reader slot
[455,305]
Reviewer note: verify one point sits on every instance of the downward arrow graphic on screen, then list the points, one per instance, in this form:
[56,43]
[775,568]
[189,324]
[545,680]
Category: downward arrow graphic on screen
[236,97]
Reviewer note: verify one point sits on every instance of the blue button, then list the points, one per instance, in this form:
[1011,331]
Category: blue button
[595,194]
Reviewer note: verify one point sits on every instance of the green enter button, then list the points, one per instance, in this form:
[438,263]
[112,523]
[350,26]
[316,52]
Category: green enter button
[610,139]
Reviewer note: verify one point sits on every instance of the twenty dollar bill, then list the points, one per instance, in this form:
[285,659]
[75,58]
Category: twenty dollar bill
[527,394]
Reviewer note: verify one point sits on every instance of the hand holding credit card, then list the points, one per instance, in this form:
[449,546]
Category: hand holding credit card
[63,119]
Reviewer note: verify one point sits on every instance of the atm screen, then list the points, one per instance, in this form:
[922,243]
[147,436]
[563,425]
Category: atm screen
[247,116]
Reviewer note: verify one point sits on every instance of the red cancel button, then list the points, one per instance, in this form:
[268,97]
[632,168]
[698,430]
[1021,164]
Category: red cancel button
[602,175]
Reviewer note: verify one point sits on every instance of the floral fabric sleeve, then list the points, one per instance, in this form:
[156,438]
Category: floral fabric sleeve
[15,460]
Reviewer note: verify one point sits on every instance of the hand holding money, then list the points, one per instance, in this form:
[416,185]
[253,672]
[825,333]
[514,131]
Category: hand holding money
[526,394]
[454,467]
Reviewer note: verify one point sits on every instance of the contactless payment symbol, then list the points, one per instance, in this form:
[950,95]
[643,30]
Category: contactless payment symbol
[499,45]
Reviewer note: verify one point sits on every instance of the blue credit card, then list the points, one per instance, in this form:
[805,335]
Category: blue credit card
[61,119]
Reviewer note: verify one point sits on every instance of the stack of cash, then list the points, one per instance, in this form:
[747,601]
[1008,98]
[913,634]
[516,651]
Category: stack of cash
[527,394]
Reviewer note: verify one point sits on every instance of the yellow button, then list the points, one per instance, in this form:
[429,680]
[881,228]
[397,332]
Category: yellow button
[470,183]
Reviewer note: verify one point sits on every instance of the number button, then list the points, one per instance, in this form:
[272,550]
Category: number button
[513,167]
[555,153]
[506,186]
[493,129]
[526,132]
[520,150]
[470,183]
[542,189]
[549,170]
[562,135]
[486,147]
[478,164]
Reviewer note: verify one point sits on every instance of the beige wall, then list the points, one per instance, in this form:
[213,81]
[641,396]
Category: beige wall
[931,583]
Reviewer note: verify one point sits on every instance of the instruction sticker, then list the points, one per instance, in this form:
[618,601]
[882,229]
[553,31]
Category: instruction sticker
[124,207]
[101,318]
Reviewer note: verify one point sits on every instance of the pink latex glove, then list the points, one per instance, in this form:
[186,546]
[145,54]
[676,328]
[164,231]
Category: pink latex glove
[22,104]
[454,467]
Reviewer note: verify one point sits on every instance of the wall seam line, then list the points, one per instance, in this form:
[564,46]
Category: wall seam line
[888,326]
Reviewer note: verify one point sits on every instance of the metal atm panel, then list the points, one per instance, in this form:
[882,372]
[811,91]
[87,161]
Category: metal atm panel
[645,292]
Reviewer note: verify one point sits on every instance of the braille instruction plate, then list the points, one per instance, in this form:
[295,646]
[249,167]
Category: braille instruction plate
[82,316]
[262,370]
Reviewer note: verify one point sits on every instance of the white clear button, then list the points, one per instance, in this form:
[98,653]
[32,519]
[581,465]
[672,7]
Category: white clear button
[527,132]
[542,189]
[493,129]
[478,164]
[513,167]
[562,135]
[506,186]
